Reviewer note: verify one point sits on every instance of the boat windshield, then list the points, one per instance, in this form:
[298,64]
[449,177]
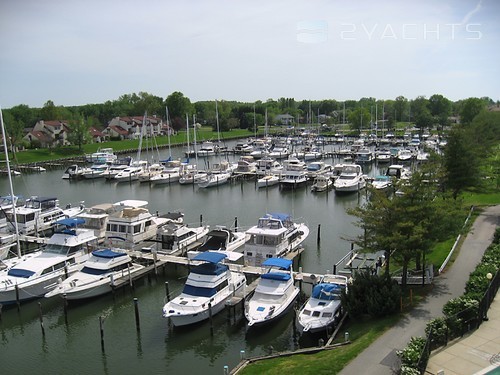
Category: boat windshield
[199,291]
[59,249]
[94,271]
[347,177]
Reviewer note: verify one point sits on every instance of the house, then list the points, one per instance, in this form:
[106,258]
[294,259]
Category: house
[97,135]
[49,133]
[129,127]
[285,119]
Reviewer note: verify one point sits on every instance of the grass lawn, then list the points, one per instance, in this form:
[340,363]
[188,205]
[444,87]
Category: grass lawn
[361,334]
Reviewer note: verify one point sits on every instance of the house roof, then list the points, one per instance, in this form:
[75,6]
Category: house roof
[118,129]
[55,123]
[96,132]
[41,136]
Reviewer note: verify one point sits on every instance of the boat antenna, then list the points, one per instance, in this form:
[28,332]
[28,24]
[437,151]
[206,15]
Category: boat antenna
[168,134]
[10,184]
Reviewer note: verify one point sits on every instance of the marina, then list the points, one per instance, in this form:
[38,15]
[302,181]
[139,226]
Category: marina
[154,345]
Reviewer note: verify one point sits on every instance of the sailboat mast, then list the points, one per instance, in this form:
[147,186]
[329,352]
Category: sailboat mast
[168,134]
[217,120]
[140,138]
[10,184]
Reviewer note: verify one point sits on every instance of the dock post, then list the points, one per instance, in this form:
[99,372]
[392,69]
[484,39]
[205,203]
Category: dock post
[101,330]
[236,224]
[130,278]
[155,259]
[65,308]
[18,302]
[41,318]
[1,306]
[210,318]
[136,309]
[201,220]
[334,269]
[318,238]
[167,291]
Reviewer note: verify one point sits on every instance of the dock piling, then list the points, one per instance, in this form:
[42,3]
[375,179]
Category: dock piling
[101,330]
[40,312]
[65,308]
[318,238]
[167,291]
[18,302]
[136,309]
[210,318]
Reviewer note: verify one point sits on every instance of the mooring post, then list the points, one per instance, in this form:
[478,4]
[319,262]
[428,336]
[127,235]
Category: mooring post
[136,308]
[101,330]
[318,239]
[130,278]
[201,220]
[155,259]
[210,318]
[334,269]
[236,224]
[167,291]
[18,302]
[1,306]
[65,308]
[41,317]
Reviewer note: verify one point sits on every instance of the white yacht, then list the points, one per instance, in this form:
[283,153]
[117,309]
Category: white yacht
[294,174]
[405,155]
[268,180]
[102,156]
[208,287]
[73,172]
[99,275]
[274,295]
[323,309]
[39,213]
[94,171]
[179,238]
[37,273]
[274,235]
[214,179]
[221,239]
[364,155]
[131,223]
[383,155]
[132,172]
[322,183]
[268,165]
[381,183]
[350,180]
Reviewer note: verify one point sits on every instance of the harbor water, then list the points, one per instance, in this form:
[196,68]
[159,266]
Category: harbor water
[72,342]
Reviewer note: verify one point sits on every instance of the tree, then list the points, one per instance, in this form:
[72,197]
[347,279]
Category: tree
[461,161]
[13,129]
[79,131]
[178,106]
[400,108]
[470,109]
[359,119]
[440,109]
[405,226]
[421,113]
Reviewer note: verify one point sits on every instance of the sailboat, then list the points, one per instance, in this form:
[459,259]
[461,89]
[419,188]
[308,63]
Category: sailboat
[10,240]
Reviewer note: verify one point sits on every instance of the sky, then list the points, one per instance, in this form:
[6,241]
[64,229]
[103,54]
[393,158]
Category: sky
[90,51]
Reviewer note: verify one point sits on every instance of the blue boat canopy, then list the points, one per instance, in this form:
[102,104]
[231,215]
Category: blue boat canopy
[278,262]
[70,222]
[280,216]
[276,276]
[19,272]
[210,256]
[326,291]
[107,253]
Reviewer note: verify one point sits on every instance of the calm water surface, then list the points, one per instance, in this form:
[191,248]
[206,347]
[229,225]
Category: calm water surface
[157,347]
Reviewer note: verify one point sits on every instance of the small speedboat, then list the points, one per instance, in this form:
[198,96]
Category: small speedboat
[268,180]
[274,295]
[323,309]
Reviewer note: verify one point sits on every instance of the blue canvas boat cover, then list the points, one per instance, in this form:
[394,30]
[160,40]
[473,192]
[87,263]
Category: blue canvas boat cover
[276,276]
[280,216]
[107,253]
[278,262]
[70,222]
[18,272]
[326,291]
[210,256]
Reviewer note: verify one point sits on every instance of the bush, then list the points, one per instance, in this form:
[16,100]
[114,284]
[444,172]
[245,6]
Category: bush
[439,331]
[372,294]
[412,353]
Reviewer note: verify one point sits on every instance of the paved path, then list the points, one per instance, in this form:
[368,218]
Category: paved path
[380,357]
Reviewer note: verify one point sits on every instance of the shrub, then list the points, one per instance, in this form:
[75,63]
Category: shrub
[412,353]
[439,332]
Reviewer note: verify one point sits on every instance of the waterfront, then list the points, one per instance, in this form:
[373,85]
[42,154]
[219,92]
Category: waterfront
[156,347]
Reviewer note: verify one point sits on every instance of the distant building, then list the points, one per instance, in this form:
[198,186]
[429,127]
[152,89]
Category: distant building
[285,119]
[49,133]
[97,135]
[129,127]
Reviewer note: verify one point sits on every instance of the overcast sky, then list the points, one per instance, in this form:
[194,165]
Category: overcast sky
[78,52]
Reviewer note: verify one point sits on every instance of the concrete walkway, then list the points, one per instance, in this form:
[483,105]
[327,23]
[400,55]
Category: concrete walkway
[380,358]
